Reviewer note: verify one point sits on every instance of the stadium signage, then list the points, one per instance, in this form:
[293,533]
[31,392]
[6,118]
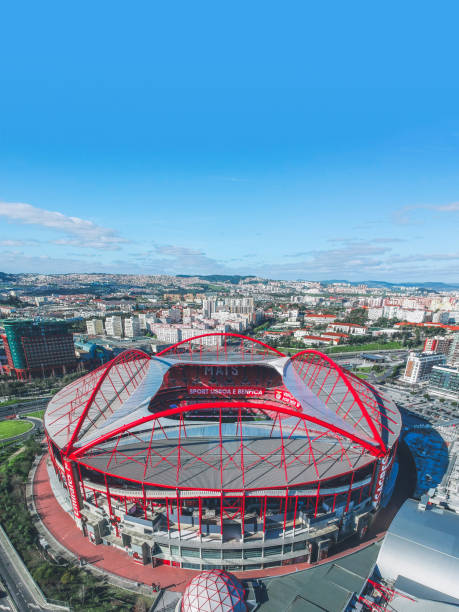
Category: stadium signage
[72,489]
[383,466]
[221,371]
[287,398]
[227,391]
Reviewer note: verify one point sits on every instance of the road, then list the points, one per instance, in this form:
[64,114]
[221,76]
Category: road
[24,407]
[22,589]
[17,589]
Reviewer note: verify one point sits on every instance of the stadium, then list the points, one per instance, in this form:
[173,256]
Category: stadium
[221,452]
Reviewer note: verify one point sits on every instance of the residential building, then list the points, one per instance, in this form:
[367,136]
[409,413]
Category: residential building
[348,328]
[419,366]
[438,344]
[209,306]
[440,317]
[444,382]
[166,333]
[453,355]
[132,327]
[95,327]
[114,326]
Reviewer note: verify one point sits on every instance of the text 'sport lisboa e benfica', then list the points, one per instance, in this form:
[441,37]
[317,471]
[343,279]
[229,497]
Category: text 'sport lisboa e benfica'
[221,452]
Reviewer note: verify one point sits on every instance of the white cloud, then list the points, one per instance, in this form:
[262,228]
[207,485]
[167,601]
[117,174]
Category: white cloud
[79,232]
[17,243]
[454,206]
[403,216]
[173,259]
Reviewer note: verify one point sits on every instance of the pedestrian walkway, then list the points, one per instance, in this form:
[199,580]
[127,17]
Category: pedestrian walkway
[107,559]
[116,562]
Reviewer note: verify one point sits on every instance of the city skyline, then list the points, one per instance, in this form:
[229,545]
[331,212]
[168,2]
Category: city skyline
[283,160]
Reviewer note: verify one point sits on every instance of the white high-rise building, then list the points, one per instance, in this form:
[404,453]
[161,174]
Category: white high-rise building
[440,317]
[113,326]
[419,366]
[95,327]
[209,306]
[143,320]
[132,327]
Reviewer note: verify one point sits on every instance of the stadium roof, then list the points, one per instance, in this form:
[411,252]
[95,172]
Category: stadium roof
[421,553]
[337,421]
[329,586]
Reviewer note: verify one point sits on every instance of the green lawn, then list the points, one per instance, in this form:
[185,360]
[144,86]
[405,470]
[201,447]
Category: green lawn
[362,348]
[37,414]
[362,376]
[13,428]
[15,401]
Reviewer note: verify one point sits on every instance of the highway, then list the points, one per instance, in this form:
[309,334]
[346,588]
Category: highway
[24,407]
[17,590]
[22,589]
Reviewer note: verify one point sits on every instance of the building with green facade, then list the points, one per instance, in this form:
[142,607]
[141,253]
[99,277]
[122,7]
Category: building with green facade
[38,348]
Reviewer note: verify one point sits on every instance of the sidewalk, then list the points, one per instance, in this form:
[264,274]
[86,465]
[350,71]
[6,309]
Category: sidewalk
[60,531]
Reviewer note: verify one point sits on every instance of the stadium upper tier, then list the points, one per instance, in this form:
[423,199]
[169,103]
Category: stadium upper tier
[222,411]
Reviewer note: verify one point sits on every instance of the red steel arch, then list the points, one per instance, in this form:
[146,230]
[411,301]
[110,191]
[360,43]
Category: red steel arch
[173,348]
[350,387]
[373,450]
[122,358]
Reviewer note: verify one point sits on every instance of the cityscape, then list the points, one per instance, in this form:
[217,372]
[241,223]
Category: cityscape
[89,365]
[229,307]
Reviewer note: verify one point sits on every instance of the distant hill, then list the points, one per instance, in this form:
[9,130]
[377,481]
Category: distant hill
[435,286]
[217,278]
[8,278]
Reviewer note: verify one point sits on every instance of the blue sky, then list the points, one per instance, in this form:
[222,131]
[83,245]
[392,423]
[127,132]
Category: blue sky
[279,139]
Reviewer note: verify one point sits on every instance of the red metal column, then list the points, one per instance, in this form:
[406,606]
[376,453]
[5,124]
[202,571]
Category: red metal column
[72,488]
[178,513]
[200,515]
[108,496]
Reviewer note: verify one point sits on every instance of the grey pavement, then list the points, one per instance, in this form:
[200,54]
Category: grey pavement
[22,588]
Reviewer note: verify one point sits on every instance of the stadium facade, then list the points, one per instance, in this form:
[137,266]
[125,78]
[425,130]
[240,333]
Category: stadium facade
[224,454]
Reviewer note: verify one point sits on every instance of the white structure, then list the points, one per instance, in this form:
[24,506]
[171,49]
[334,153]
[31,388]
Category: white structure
[447,492]
[209,306]
[440,317]
[191,332]
[166,333]
[419,366]
[453,355]
[420,558]
[114,326]
[214,591]
[375,313]
[438,344]
[95,327]
[348,328]
[132,327]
